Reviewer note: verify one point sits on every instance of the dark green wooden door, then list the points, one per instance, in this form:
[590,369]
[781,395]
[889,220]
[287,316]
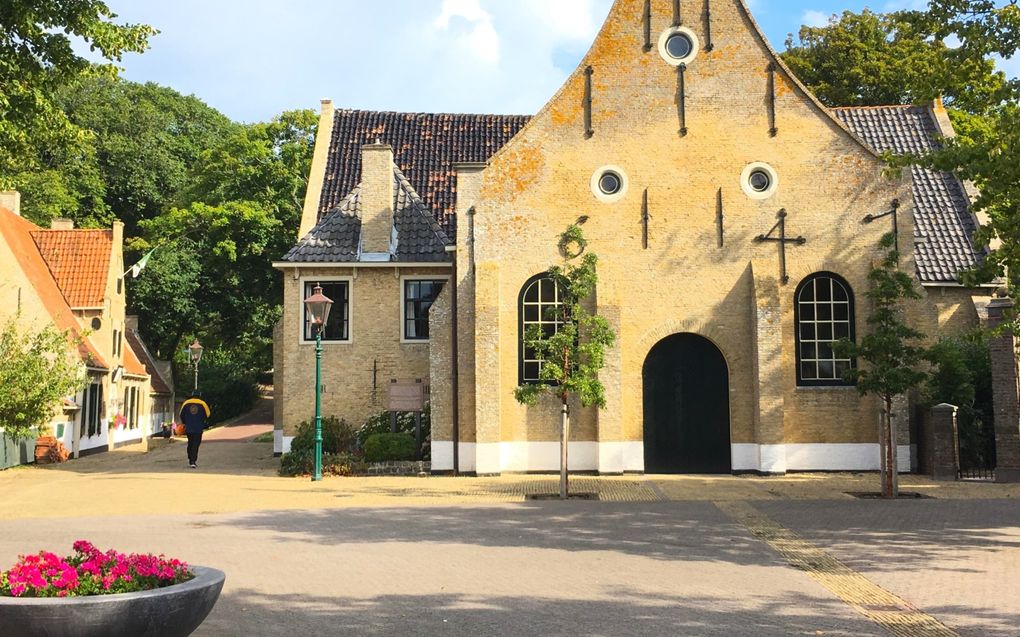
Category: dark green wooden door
[687,409]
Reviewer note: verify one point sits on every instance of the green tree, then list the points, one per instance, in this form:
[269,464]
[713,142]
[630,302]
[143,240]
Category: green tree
[37,57]
[875,59]
[892,358]
[573,355]
[224,264]
[36,372]
[988,154]
[148,139]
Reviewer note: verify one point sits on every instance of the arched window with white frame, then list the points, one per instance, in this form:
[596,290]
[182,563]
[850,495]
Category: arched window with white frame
[823,314]
[539,305]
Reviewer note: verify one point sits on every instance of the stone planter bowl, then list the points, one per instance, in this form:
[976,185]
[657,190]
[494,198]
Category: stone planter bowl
[172,611]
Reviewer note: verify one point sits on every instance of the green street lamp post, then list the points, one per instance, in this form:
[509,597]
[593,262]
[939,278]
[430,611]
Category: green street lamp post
[318,305]
[195,350]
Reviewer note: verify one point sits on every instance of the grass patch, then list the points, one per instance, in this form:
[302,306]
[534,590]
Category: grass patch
[266,437]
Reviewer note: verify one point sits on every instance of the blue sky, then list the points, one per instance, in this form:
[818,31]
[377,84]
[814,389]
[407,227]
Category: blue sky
[253,59]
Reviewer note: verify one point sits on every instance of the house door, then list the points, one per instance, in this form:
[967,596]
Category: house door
[686,407]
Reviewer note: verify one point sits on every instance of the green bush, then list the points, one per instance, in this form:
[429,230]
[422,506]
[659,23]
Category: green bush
[388,446]
[302,463]
[337,436]
[380,424]
[962,376]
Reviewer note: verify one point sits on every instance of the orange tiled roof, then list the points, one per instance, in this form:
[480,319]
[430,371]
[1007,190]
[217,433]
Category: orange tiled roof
[18,234]
[79,261]
[138,349]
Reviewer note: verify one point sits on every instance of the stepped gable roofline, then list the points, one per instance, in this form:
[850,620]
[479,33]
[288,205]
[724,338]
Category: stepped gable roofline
[425,148]
[79,261]
[336,238]
[17,232]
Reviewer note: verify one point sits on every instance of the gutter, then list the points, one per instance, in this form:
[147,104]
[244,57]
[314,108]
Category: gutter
[454,364]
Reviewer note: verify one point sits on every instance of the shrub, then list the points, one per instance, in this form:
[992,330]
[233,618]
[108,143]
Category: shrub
[302,463]
[337,436]
[380,424]
[389,446]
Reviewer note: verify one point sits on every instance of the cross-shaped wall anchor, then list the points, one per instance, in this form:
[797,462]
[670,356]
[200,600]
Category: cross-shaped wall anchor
[895,221]
[782,241]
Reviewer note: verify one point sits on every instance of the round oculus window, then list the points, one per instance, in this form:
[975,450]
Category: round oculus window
[96,323]
[610,183]
[760,181]
[679,46]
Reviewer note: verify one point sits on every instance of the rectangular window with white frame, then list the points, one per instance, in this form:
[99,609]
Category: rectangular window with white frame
[338,324]
[418,297]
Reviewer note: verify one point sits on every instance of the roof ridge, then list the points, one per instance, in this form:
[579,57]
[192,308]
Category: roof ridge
[420,113]
[874,107]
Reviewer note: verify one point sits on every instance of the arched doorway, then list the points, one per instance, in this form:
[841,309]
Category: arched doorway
[686,405]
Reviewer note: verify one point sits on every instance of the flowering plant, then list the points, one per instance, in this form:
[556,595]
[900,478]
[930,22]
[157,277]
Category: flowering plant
[90,571]
[119,421]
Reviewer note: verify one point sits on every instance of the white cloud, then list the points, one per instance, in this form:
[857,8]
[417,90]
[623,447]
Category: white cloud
[480,40]
[814,18]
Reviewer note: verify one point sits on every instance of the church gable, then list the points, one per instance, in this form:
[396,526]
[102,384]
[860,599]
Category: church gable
[729,103]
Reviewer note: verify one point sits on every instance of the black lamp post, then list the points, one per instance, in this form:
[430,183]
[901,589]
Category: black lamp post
[195,349]
[318,305]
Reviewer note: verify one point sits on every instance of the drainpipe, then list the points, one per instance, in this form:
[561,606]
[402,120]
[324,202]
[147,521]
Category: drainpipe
[454,367]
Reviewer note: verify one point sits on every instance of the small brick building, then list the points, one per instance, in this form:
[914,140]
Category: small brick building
[692,152]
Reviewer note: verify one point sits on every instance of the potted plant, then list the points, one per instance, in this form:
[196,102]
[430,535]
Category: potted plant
[92,593]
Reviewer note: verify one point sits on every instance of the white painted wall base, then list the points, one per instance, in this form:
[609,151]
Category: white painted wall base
[442,456]
[619,457]
[281,443]
[497,457]
[814,457]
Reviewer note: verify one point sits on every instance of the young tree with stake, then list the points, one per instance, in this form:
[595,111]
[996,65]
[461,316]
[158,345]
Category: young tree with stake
[892,358]
[572,352]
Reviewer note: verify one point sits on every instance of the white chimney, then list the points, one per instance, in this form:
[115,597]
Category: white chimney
[11,199]
[61,224]
[377,184]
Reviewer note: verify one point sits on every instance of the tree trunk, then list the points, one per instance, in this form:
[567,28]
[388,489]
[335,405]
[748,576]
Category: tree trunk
[564,437]
[890,475]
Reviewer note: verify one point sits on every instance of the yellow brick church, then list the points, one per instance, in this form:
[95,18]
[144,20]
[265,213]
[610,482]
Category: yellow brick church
[735,217]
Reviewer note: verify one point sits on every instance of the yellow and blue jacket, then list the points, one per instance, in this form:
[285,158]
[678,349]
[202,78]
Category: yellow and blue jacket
[195,415]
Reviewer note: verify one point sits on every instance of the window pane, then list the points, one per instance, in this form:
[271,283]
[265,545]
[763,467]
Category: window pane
[839,292]
[825,331]
[807,331]
[841,368]
[531,313]
[823,312]
[808,293]
[548,294]
[825,350]
[826,370]
[807,312]
[841,312]
[808,370]
[842,330]
[531,294]
[823,289]
[808,351]
[339,314]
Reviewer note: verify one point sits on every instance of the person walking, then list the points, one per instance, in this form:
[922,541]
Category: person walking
[195,416]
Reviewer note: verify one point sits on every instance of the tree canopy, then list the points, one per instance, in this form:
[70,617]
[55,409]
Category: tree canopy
[875,59]
[36,371]
[37,58]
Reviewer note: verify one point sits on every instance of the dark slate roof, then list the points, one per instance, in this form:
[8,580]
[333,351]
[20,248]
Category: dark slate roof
[425,147]
[335,239]
[944,225]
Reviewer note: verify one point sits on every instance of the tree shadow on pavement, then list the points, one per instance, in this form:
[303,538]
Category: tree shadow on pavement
[893,536]
[626,612]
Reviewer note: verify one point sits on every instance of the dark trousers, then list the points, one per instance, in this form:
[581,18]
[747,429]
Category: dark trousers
[194,440]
